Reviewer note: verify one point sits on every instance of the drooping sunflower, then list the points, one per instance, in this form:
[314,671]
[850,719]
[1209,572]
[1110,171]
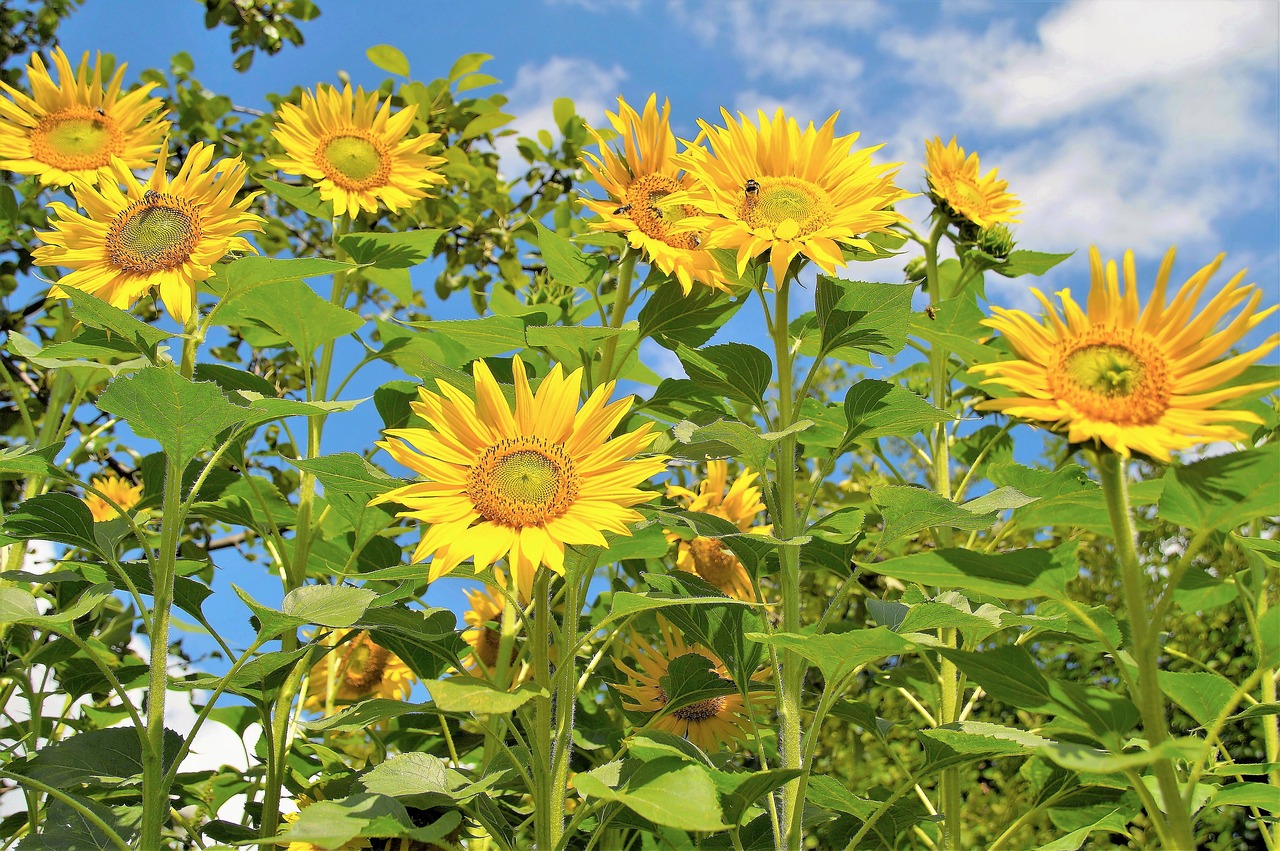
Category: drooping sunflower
[72,130]
[740,504]
[522,484]
[709,723]
[357,152]
[776,188]
[164,234]
[360,669]
[955,182]
[1139,379]
[123,492]
[638,179]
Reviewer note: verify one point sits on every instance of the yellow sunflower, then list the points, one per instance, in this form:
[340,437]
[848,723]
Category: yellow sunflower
[708,723]
[485,640]
[71,130]
[522,485]
[1137,379]
[356,150]
[360,669]
[954,181]
[122,491]
[776,188]
[740,505]
[638,180]
[164,234]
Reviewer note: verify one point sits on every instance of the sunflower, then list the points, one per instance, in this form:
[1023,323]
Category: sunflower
[775,188]
[522,485]
[638,181]
[164,234]
[486,640]
[954,182]
[740,505]
[707,723]
[1137,379]
[356,150]
[122,492]
[362,669]
[72,130]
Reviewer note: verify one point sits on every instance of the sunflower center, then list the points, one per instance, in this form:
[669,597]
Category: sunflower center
[702,710]
[1114,376]
[354,160]
[789,206]
[523,481]
[76,138]
[488,646]
[159,232]
[712,561]
[644,205]
[965,197]
[364,664]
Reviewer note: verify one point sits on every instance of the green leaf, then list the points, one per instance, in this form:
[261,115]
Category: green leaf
[1029,263]
[480,338]
[1223,492]
[17,606]
[56,517]
[332,824]
[739,791]
[1019,575]
[486,123]
[99,757]
[966,742]
[182,416]
[365,714]
[408,774]
[625,603]
[466,63]
[1261,795]
[668,792]
[335,606]
[838,655]
[22,461]
[864,316]
[728,439]
[570,344]
[468,694]
[306,197]
[63,827]
[293,310]
[735,370]
[389,59]
[955,326]
[391,250]
[879,409]
[567,263]
[1078,757]
[96,313]
[670,317]
[242,276]
[908,510]
[1201,694]
[951,610]
[1065,496]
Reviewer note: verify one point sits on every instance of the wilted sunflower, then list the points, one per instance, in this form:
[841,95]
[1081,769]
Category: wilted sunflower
[123,492]
[708,723]
[955,182]
[775,188]
[356,150]
[164,234]
[638,180]
[1137,379]
[740,505]
[71,130]
[523,485]
[361,669]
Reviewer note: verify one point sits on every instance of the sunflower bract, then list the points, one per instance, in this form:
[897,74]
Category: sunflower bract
[1138,379]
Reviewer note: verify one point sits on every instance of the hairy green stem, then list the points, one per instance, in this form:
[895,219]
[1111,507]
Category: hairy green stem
[547,825]
[621,301]
[1136,592]
[566,694]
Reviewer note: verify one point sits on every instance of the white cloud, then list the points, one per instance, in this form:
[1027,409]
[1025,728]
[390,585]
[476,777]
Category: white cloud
[600,6]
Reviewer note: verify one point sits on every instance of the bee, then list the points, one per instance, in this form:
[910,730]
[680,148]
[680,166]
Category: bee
[623,210]
[931,312]
[752,189]
[151,196]
[100,112]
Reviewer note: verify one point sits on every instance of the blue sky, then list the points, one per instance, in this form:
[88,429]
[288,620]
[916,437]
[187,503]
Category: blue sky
[1129,124]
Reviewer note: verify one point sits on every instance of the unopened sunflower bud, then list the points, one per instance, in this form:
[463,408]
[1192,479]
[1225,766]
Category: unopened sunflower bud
[996,240]
[915,270]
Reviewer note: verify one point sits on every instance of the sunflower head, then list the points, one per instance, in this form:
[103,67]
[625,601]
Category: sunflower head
[357,669]
[165,234]
[956,185]
[710,723]
[72,130]
[360,156]
[484,632]
[1138,379]
[774,187]
[740,504]
[122,492]
[639,179]
[521,483]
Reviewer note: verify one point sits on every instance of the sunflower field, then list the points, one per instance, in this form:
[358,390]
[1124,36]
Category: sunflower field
[916,570]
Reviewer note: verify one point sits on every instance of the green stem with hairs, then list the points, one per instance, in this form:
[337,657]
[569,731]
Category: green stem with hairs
[1136,590]
[621,301]
[547,825]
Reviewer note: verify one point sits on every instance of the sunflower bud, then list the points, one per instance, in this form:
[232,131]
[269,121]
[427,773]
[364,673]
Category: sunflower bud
[996,240]
[915,270]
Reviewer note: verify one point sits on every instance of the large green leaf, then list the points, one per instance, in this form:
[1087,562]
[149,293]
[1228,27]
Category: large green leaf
[670,317]
[879,409]
[480,338]
[728,439]
[735,370]
[1223,492]
[389,58]
[56,517]
[98,757]
[908,510]
[839,654]
[1201,694]
[241,276]
[1030,263]
[970,741]
[468,694]
[96,313]
[668,792]
[293,310]
[860,315]
[336,606]
[391,250]
[1018,575]
[567,263]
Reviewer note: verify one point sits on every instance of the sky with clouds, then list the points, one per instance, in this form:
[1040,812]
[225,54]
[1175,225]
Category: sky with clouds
[1128,124]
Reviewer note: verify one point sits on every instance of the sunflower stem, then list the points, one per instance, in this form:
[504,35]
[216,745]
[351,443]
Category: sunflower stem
[547,825]
[155,791]
[566,693]
[621,301]
[1136,591]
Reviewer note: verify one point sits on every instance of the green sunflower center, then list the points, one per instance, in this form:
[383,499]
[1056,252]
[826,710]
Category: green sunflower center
[523,481]
[644,205]
[790,207]
[1112,376]
[354,160]
[75,139]
[156,233]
